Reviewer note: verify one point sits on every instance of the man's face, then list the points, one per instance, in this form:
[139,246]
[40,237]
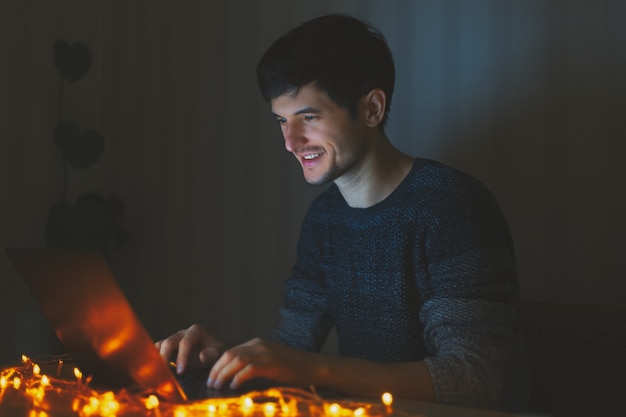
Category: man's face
[327,142]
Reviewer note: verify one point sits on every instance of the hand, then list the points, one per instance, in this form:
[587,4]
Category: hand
[262,358]
[196,348]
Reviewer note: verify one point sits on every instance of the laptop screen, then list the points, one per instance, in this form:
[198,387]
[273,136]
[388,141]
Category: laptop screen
[93,319]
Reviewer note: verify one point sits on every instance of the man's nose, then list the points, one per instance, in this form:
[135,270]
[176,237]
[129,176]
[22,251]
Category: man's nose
[294,138]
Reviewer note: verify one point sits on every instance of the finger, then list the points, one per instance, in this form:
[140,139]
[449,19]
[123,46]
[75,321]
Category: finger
[225,368]
[168,346]
[216,369]
[244,374]
[210,354]
[185,349]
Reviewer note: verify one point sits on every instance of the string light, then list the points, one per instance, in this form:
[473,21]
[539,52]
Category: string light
[387,400]
[269,409]
[334,409]
[152,402]
[48,394]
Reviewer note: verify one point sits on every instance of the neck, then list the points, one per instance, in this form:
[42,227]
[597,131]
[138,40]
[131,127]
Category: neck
[380,173]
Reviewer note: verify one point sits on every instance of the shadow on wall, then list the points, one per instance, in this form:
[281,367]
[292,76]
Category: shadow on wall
[92,221]
[530,98]
[555,161]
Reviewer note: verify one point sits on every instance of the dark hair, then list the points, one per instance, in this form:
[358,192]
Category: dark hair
[345,57]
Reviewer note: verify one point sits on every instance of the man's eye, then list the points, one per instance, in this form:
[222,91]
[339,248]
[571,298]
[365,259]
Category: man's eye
[281,120]
[309,117]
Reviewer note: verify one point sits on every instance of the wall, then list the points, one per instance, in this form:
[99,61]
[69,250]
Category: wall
[528,96]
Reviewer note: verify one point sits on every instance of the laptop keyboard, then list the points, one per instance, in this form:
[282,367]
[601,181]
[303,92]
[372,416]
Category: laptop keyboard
[193,383]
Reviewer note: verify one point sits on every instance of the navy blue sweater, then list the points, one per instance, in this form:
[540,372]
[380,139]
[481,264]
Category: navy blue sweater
[428,274]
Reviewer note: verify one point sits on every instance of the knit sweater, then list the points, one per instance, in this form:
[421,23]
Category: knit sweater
[428,274]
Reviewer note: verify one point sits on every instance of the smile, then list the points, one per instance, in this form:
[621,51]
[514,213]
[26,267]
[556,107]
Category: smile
[312,156]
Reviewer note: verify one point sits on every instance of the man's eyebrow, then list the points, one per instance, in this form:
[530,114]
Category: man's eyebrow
[301,111]
[308,110]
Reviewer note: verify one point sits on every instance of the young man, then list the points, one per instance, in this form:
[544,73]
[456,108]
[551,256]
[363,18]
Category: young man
[411,261]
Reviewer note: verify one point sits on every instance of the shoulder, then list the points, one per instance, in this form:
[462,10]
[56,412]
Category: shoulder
[435,188]
[437,178]
[450,198]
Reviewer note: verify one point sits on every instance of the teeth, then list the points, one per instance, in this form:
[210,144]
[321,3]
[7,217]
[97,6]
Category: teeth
[312,156]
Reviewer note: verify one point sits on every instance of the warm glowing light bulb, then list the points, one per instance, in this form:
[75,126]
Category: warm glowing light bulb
[36,369]
[269,409]
[247,404]
[94,402]
[212,408]
[359,412]
[17,382]
[25,358]
[152,402]
[387,399]
[3,382]
[45,381]
[334,409]
[78,374]
[109,407]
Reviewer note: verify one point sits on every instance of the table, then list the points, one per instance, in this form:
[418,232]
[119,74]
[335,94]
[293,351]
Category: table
[53,390]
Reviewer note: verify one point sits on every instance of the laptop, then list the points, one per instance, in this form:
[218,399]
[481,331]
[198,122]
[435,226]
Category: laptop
[96,324]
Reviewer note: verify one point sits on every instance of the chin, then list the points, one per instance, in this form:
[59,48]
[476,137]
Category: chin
[317,181]
[320,180]
[322,177]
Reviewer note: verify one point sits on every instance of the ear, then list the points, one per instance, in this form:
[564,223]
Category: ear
[374,107]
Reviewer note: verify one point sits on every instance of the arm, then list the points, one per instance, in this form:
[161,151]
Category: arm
[470,316]
[350,376]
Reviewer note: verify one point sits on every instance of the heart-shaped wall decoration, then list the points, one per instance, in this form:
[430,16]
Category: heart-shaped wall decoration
[72,61]
[81,149]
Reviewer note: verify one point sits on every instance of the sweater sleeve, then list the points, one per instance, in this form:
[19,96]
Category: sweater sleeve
[469,310]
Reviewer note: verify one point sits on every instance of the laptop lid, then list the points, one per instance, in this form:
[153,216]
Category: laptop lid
[93,319]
